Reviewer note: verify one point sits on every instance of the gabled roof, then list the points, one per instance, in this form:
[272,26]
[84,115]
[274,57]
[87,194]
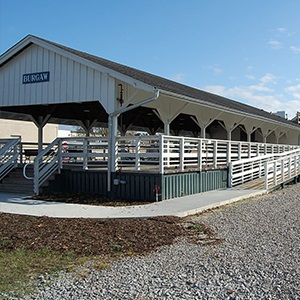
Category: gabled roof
[169,86]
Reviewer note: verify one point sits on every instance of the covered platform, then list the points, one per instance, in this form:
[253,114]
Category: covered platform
[192,136]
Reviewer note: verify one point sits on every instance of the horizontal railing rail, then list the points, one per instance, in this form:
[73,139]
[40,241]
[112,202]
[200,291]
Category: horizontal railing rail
[282,170]
[137,152]
[9,155]
[88,152]
[182,153]
[47,162]
[243,171]
[30,150]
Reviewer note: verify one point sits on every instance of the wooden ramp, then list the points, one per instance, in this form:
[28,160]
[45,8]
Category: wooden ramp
[257,184]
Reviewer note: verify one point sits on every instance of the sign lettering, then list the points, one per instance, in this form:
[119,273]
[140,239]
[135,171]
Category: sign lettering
[36,77]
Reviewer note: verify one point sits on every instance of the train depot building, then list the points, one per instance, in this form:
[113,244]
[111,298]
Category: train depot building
[195,141]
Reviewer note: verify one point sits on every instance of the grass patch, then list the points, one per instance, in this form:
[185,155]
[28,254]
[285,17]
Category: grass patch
[34,249]
[20,266]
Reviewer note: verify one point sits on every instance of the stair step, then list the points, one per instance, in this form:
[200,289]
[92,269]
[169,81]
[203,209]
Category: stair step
[16,190]
[16,183]
[17,180]
[19,175]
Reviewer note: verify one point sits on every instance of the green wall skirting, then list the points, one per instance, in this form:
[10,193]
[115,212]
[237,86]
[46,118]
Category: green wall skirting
[178,185]
[138,186]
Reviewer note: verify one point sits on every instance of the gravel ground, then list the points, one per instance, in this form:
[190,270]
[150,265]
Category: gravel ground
[259,259]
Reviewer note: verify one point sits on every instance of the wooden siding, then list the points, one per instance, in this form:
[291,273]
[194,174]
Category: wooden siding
[70,81]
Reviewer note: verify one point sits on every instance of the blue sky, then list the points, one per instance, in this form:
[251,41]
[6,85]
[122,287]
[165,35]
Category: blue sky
[246,50]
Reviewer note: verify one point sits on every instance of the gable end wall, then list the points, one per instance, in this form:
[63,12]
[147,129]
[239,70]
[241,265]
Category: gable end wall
[70,81]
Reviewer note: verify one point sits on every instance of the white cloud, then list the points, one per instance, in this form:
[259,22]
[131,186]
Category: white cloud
[295,49]
[260,88]
[275,44]
[268,78]
[259,96]
[281,29]
[296,95]
[215,69]
[294,90]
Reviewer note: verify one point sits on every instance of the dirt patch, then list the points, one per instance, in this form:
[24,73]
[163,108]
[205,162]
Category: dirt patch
[92,237]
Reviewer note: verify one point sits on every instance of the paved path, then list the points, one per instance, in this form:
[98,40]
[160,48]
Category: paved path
[183,206]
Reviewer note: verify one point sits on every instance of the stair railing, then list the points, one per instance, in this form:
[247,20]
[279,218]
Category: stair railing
[46,163]
[9,155]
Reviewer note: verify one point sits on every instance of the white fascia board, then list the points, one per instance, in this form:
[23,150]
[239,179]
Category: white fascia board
[221,108]
[15,49]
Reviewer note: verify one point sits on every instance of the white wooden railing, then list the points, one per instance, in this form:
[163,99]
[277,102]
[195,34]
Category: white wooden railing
[280,167]
[158,154]
[46,163]
[10,150]
[282,170]
[182,153]
[69,152]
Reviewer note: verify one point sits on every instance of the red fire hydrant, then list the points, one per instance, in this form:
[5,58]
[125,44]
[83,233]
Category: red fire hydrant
[156,191]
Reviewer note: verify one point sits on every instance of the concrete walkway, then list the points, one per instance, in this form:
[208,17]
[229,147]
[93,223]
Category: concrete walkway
[181,207]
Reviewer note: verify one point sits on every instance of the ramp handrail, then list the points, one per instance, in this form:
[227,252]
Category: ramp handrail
[245,170]
[282,170]
[9,154]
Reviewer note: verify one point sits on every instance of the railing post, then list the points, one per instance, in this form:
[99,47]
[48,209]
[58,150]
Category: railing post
[266,175]
[282,169]
[239,151]
[36,175]
[137,153]
[290,168]
[215,154]
[85,153]
[161,154]
[265,149]
[228,152]
[166,143]
[181,153]
[274,173]
[230,170]
[249,150]
[200,154]
[59,153]
[20,147]
[260,169]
